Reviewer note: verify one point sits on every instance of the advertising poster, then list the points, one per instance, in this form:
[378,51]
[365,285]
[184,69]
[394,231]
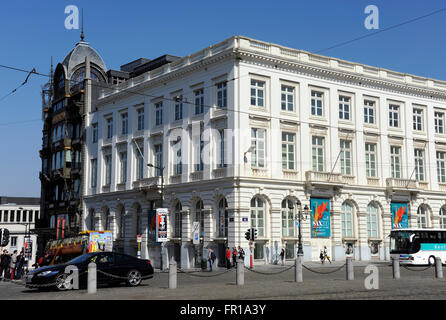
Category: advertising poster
[161,224]
[100,242]
[152,226]
[399,215]
[320,218]
[196,233]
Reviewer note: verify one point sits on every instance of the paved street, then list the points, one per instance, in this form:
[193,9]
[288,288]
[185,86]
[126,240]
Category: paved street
[419,284]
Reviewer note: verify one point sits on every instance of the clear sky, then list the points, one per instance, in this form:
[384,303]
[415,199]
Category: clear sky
[121,31]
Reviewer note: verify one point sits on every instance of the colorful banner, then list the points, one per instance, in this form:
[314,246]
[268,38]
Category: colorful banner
[100,242]
[152,226]
[400,215]
[320,218]
[161,224]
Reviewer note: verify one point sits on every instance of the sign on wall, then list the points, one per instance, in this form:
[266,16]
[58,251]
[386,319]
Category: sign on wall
[399,215]
[161,224]
[196,232]
[320,218]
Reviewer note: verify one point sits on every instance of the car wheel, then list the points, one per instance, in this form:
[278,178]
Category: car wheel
[61,282]
[431,260]
[134,278]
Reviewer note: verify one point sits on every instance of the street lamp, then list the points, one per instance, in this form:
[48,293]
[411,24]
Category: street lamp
[161,169]
[301,216]
[27,235]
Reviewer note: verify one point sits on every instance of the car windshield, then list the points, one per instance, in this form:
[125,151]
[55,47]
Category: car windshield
[79,259]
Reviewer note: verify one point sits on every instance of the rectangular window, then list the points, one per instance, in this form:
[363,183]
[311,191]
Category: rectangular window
[369,112]
[94,172]
[419,164]
[287,98]
[344,108]
[370,159]
[140,119]
[179,108]
[108,169]
[139,164]
[13,242]
[222,162]
[123,171]
[394,114]
[199,145]
[222,95]
[258,148]
[395,157]
[346,157]
[318,153]
[441,167]
[94,132]
[199,101]
[178,164]
[257,93]
[158,158]
[159,114]
[109,128]
[418,119]
[288,151]
[124,124]
[439,122]
[288,223]
[317,103]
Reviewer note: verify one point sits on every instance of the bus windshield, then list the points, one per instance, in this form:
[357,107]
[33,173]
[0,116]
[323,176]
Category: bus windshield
[400,242]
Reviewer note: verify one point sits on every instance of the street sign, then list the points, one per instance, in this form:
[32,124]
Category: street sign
[139,238]
[196,232]
[161,224]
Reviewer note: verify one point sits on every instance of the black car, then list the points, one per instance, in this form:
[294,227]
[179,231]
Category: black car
[112,268]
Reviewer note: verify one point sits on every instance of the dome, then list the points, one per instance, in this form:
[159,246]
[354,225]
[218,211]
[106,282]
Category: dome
[77,57]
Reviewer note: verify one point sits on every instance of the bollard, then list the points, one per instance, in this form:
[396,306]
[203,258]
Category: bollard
[92,277]
[298,276]
[396,267]
[240,273]
[438,268]
[172,274]
[350,271]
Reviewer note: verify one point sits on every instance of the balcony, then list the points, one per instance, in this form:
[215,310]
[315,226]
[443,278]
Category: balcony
[290,174]
[175,179]
[401,185]
[324,179]
[147,183]
[219,172]
[198,175]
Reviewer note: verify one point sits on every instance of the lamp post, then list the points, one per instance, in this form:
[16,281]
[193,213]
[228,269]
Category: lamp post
[300,217]
[161,169]
[27,236]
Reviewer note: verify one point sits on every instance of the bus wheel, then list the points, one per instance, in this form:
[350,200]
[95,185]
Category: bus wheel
[431,260]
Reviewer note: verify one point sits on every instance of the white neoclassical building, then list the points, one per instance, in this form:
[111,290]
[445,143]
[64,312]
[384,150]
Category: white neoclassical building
[250,132]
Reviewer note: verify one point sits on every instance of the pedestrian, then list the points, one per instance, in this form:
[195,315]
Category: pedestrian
[228,258]
[12,264]
[234,256]
[321,256]
[19,265]
[282,256]
[4,264]
[241,253]
[211,258]
[326,254]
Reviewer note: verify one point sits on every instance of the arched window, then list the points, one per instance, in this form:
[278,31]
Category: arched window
[199,216]
[223,218]
[91,220]
[372,221]
[288,221]
[443,217]
[422,217]
[347,220]
[107,221]
[178,220]
[139,230]
[258,216]
[121,224]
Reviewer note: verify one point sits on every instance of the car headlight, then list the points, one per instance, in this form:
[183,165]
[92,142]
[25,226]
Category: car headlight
[46,273]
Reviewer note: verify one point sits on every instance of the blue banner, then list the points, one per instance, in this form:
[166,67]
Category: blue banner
[320,218]
[399,215]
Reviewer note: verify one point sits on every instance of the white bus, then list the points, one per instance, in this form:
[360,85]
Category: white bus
[418,246]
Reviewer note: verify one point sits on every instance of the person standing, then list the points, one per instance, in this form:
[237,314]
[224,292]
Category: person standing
[241,253]
[326,254]
[211,258]
[19,265]
[282,256]
[13,263]
[228,258]
[4,264]
[234,256]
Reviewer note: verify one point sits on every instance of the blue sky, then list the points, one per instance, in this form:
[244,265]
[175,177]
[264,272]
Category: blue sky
[33,31]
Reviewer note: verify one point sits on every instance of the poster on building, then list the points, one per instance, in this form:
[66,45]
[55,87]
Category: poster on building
[320,218]
[152,226]
[399,215]
[196,233]
[101,241]
[161,224]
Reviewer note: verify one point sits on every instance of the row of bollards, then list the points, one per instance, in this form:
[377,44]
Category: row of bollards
[438,268]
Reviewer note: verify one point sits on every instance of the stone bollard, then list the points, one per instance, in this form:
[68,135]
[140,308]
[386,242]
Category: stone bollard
[240,273]
[92,278]
[298,276]
[438,268]
[172,274]
[396,268]
[350,271]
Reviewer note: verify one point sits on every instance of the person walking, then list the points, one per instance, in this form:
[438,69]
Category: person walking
[211,258]
[4,264]
[12,264]
[228,258]
[241,253]
[326,254]
[282,256]
[234,256]
[321,256]
[19,266]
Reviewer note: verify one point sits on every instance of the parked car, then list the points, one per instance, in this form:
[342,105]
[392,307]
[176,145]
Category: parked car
[112,268]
